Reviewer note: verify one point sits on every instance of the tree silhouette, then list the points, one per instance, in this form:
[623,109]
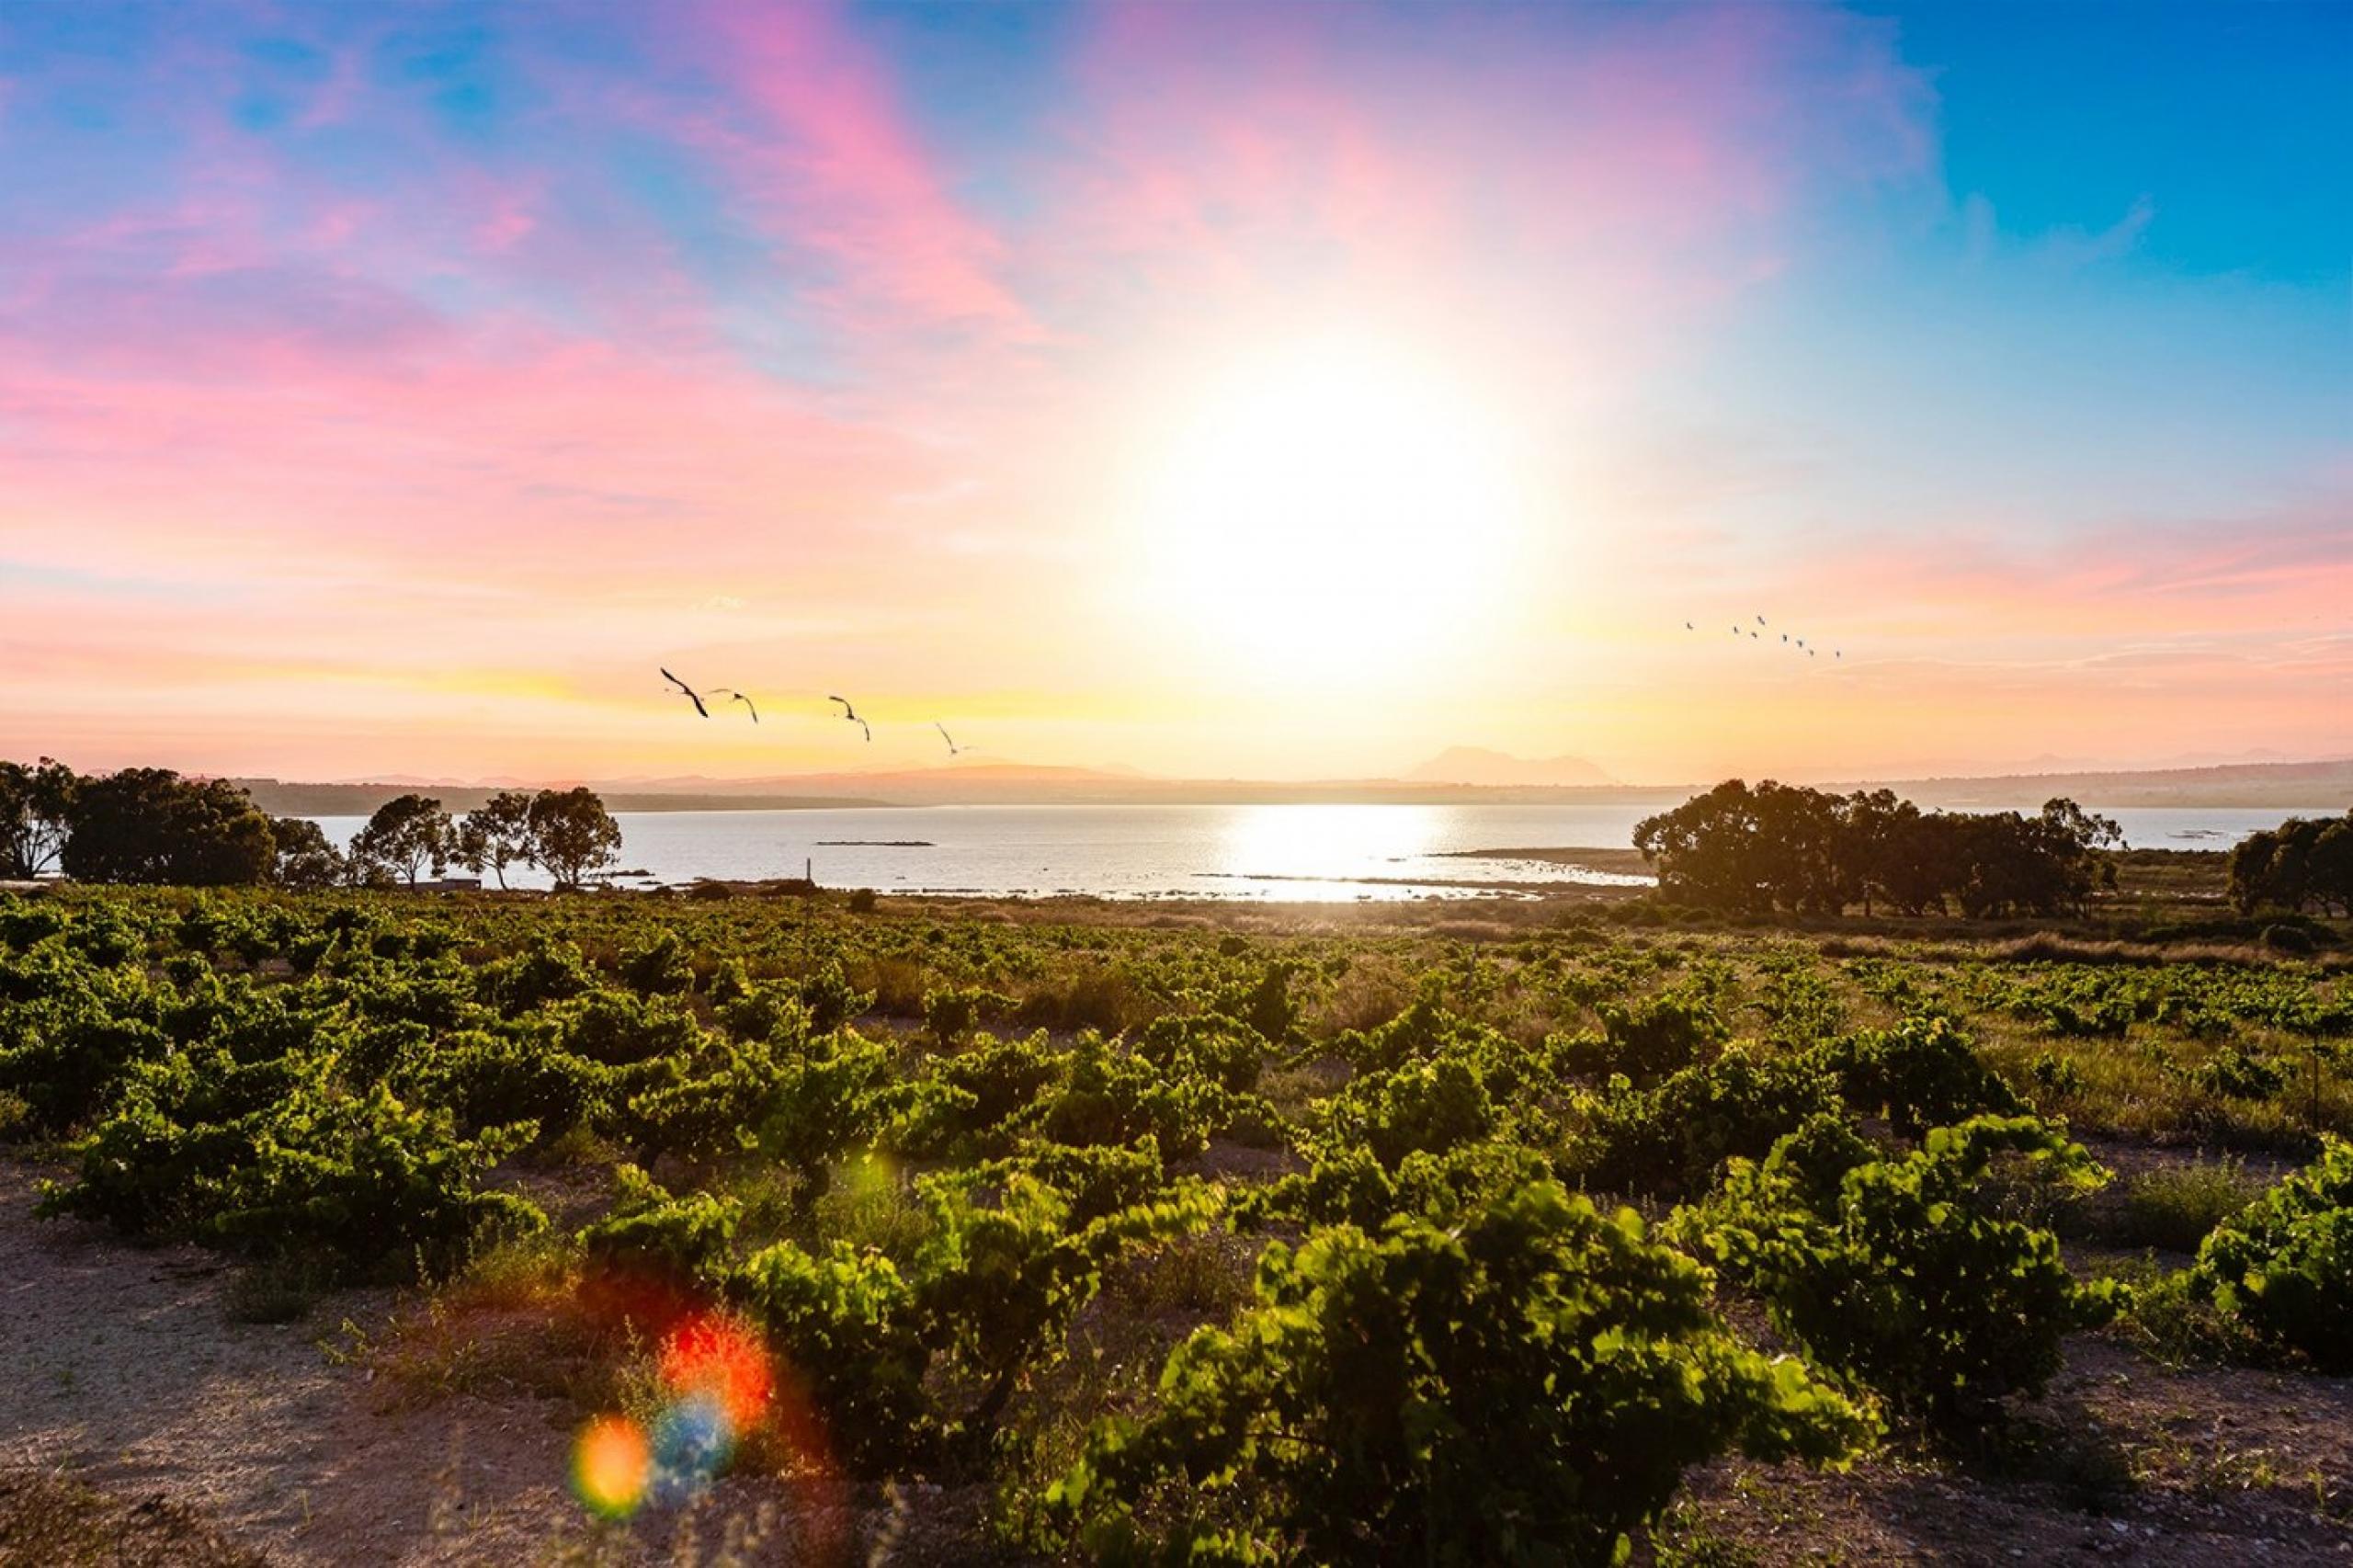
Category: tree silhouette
[406,835]
[148,825]
[36,810]
[573,834]
[495,835]
[1779,847]
[305,857]
[2304,861]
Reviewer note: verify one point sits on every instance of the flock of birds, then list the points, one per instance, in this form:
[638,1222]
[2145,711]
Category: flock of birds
[848,713]
[1757,634]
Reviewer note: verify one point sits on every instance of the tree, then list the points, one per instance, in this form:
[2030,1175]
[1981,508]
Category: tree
[148,825]
[573,834]
[305,860]
[495,836]
[1878,843]
[2331,865]
[2303,861]
[36,810]
[1777,845]
[2250,863]
[406,835]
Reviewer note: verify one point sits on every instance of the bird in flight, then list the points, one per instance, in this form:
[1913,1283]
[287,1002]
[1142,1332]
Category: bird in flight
[733,696]
[851,714]
[953,749]
[1761,620]
[692,695]
[1785,636]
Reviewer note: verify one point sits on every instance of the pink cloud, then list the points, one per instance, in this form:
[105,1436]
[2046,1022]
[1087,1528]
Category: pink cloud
[1641,165]
[2276,571]
[829,162]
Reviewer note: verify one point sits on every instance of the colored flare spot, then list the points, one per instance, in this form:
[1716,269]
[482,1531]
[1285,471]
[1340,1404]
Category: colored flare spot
[723,1363]
[691,1441]
[612,1465]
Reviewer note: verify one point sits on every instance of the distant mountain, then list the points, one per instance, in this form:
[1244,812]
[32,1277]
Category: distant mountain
[2286,785]
[1500,770]
[359,799]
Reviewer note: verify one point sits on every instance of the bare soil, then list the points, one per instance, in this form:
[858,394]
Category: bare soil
[2122,1459]
[139,1422]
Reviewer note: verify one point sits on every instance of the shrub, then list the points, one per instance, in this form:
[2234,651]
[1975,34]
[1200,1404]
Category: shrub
[2284,1265]
[1649,1038]
[1923,1074]
[831,999]
[372,1187]
[1111,1096]
[1528,1386]
[545,971]
[654,1238]
[847,1324]
[1671,1138]
[951,1012]
[1214,1047]
[1425,1105]
[1899,1272]
[659,968]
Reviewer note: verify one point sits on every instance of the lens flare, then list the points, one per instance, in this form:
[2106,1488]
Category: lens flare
[612,1466]
[692,1442]
[724,1362]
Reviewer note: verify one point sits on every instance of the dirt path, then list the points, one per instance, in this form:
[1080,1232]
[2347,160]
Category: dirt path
[124,1370]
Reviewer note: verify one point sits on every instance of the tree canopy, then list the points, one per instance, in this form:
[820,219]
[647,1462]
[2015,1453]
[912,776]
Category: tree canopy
[149,825]
[36,808]
[572,834]
[2304,862]
[407,834]
[1785,848]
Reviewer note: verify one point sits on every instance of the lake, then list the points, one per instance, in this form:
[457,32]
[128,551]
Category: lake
[1287,852]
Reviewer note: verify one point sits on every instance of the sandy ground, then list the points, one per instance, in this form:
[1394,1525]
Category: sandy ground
[2207,1468]
[125,1370]
[126,1379]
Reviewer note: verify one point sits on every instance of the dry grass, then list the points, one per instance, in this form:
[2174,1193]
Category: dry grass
[514,1321]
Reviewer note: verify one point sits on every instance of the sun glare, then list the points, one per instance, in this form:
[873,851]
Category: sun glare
[1327,517]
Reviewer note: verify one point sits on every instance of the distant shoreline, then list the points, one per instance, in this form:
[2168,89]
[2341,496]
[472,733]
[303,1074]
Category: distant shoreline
[2316,786]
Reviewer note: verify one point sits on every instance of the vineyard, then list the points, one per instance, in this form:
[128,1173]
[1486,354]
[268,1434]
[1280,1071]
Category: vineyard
[1220,1240]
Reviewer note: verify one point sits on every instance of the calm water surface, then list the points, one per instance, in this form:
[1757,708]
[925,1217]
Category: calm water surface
[1293,852]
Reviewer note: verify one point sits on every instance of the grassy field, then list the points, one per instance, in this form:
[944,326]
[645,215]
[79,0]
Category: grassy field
[838,1226]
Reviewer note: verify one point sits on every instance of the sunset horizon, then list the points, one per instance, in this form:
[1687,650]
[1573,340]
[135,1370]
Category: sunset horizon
[1282,393]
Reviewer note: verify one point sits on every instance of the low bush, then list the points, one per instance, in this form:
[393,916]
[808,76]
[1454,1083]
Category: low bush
[1899,1272]
[2284,1265]
[1528,1386]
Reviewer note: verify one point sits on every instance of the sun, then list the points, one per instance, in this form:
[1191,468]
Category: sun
[1326,516]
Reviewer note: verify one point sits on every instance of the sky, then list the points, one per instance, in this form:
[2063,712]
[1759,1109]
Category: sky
[1215,391]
